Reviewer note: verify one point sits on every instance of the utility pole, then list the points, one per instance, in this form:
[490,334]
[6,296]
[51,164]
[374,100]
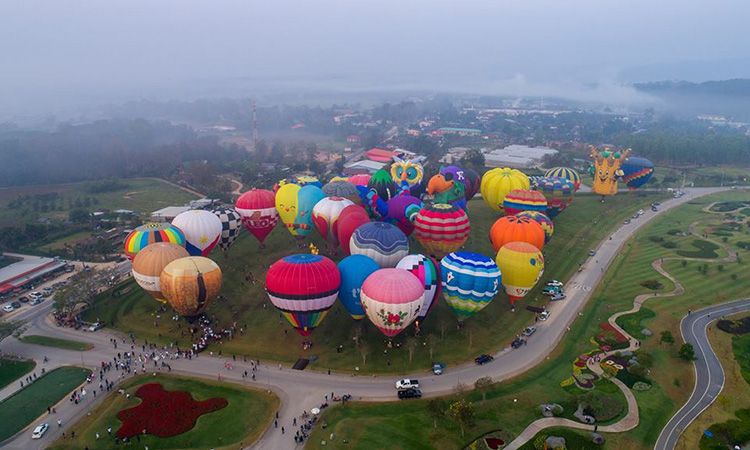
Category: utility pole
[255,127]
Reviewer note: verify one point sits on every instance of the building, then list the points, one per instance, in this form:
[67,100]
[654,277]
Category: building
[380,155]
[203,203]
[517,156]
[363,166]
[26,271]
[457,131]
[169,213]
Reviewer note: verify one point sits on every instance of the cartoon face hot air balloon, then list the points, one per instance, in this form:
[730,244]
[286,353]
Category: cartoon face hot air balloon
[190,284]
[350,219]
[567,173]
[150,233]
[231,224]
[381,241]
[558,192]
[325,216]
[375,206]
[448,186]
[402,210]
[392,299]
[354,271]
[470,282]
[382,183]
[299,181]
[514,228]
[441,228]
[295,204]
[607,169]
[151,261]
[497,183]
[519,200]
[258,211]
[427,270]
[473,181]
[407,175]
[522,265]
[343,189]
[303,287]
[362,179]
[545,222]
[202,230]
[637,172]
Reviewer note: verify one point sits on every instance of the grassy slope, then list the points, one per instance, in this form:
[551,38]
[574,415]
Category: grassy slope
[23,407]
[12,369]
[65,344]
[579,228]
[249,412]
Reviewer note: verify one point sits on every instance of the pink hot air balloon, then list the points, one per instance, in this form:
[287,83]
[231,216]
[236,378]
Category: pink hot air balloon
[350,219]
[325,216]
[257,208]
[360,179]
[392,299]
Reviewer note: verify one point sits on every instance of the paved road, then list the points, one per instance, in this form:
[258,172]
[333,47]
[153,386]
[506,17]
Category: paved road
[304,390]
[709,375]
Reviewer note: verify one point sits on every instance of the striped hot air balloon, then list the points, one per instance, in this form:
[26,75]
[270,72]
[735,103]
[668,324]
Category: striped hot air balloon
[470,282]
[381,241]
[392,299]
[427,270]
[514,228]
[636,172]
[567,173]
[441,228]
[149,263]
[258,211]
[558,192]
[545,222]
[150,233]
[498,182]
[519,200]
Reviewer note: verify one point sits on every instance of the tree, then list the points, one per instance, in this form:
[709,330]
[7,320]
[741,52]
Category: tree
[687,352]
[462,412]
[78,215]
[483,385]
[436,409]
[474,158]
[666,337]
[9,327]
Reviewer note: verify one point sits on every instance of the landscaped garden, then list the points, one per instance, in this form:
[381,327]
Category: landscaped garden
[13,369]
[65,344]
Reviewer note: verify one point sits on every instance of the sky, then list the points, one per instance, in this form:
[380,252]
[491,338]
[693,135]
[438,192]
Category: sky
[56,52]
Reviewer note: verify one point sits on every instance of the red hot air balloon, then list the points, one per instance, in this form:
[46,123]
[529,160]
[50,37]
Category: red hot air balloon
[257,207]
[350,219]
[441,228]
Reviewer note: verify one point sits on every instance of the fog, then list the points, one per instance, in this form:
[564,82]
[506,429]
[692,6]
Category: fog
[59,54]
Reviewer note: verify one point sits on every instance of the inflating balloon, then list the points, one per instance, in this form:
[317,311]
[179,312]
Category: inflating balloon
[381,241]
[522,265]
[607,169]
[258,211]
[325,216]
[343,189]
[231,224]
[190,284]
[519,200]
[149,263]
[545,222]
[350,219]
[392,299]
[558,192]
[151,233]
[402,210]
[497,183]
[202,230]
[470,281]
[637,172]
[441,228]
[567,173]
[354,271]
[515,228]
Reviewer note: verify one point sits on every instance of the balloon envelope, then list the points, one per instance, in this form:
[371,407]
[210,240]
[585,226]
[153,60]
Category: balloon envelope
[383,184]
[354,271]
[230,226]
[637,171]
[545,222]
[473,181]
[558,192]
[441,228]
[402,210]
[190,284]
[522,265]
[567,173]
[392,299]
[470,282]
[498,182]
[350,219]
[427,270]
[202,230]
[151,261]
[519,200]
[383,242]
[514,228]
[362,179]
[257,208]
[343,189]
[150,233]
[326,214]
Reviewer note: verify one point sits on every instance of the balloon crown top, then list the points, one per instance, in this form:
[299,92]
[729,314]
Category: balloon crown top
[303,258]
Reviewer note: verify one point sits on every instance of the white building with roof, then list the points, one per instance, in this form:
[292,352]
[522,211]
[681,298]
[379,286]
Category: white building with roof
[517,156]
[169,213]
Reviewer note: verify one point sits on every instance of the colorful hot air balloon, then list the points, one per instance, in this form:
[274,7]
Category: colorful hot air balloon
[325,216]
[375,206]
[567,173]
[519,200]
[473,181]
[470,281]
[299,181]
[427,270]
[286,205]
[202,230]
[402,210]
[354,271]
[382,183]
[295,204]
[514,228]
[392,299]
[607,169]
[343,189]
[407,175]
[441,228]
[545,222]
[361,179]
[150,233]
[230,226]
[558,192]
[258,211]
[350,219]
[637,172]
[522,265]
[151,261]
[190,284]
[303,287]
[497,183]
[444,188]
[381,241]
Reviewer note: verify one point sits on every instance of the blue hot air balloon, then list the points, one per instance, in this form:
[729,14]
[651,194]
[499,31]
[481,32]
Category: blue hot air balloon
[636,172]
[470,282]
[381,241]
[354,271]
[309,195]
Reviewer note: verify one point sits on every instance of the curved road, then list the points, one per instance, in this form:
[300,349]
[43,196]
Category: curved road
[304,390]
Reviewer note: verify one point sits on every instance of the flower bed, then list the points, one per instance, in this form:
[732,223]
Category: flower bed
[611,337]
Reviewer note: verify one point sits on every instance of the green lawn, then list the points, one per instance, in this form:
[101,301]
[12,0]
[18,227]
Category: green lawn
[26,405]
[268,336]
[248,414]
[574,439]
[13,369]
[64,344]
[741,350]
[70,239]
[633,324]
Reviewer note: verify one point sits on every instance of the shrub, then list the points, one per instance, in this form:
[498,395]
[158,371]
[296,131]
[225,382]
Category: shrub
[740,326]
[687,352]
[654,285]
[684,263]
[656,239]
[669,244]
[601,406]
[666,337]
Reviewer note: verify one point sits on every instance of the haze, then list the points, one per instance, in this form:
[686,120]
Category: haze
[57,54]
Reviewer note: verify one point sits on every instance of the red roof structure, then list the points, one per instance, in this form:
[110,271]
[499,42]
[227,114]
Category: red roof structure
[380,155]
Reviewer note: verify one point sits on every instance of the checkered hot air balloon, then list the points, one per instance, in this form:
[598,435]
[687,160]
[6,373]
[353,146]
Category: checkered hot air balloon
[231,225]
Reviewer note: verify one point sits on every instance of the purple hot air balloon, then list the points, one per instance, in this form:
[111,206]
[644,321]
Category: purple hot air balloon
[402,209]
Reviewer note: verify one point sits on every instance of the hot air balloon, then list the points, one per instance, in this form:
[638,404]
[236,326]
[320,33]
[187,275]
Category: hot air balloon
[427,270]
[567,173]
[519,200]
[637,172]
[522,265]
[375,206]
[545,222]
[558,192]
[295,204]
[382,183]
[230,226]
[258,211]
[350,219]
[514,228]
[402,210]
[470,281]
[325,216]
[343,189]
[497,183]
[361,179]
[299,181]
[303,287]
[392,299]
[202,230]
[473,181]
[190,284]
[441,228]
[407,175]
[444,188]
[381,241]
[607,169]
[354,271]
[150,233]
[151,261]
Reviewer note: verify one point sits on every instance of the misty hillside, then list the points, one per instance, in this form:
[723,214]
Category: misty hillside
[734,87]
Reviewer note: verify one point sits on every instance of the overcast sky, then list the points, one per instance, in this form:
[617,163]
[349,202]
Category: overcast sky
[106,49]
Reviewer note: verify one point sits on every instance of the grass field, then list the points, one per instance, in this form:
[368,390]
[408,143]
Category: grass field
[574,439]
[581,227]
[22,408]
[239,424]
[70,239]
[13,369]
[64,344]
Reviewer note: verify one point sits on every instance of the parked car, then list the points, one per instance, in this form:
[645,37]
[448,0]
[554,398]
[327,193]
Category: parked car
[483,359]
[16,304]
[544,315]
[39,431]
[654,209]
[554,283]
[528,331]
[626,221]
[47,291]
[36,301]
[23,299]
[35,294]
[557,297]
[517,342]
[551,290]
[407,384]
[95,326]
[592,252]
[8,308]
[437,368]
[409,393]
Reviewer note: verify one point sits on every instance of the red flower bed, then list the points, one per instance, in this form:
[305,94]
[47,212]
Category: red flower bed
[164,413]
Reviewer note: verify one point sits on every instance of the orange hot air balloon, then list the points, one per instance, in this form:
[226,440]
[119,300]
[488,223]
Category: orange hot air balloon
[149,263]
[516,229]
[190,284]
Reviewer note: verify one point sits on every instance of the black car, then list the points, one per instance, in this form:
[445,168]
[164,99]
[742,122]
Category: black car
[409,393]
[16,305]
[483,359]
[517,342]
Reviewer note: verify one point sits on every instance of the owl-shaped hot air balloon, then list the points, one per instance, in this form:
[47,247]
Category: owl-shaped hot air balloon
[407,175]
[607,169]
[497,183]
[470,281]
[522,265]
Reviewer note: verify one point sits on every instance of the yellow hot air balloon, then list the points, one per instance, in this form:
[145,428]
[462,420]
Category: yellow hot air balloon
[191,284]
[286,205]
[522,265]
[497,183]
[607,170]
